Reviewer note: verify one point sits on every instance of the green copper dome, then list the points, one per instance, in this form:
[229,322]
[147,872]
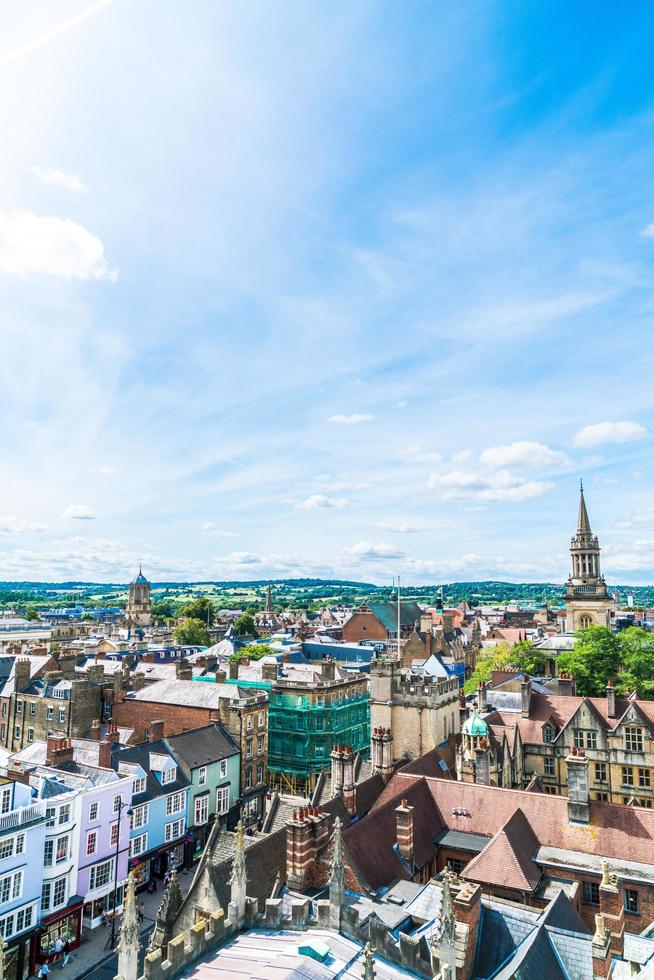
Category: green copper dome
[474,725]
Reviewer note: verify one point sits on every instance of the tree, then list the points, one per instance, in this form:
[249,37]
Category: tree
[163,609]
[192,632]
[637,653]
[244,625]
[201,608]
[256,651]
[594,660]
[32,613]
[488,660]
[528,658]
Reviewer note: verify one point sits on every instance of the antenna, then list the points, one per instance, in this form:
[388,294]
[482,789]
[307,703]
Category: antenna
[398,615]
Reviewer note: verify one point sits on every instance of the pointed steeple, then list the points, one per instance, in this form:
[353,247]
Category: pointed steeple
[238,877]
[171,903]
[368,963]
[446,918]
[129,940]
[583,524]
[336,876]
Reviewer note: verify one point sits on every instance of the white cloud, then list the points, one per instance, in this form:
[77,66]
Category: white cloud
[213,531]
[647,231]
[39,245]
[501,485]
[416,454]
[57,178]
[16,525]
[317,501]
[350,419]
[365,551]
[462,456]
[79,512]
[402,527]
[524,453]
[643,517]
[593,435]
[243,558]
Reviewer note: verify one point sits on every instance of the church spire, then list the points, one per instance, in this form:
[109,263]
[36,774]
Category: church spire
[583,524]
[129,940]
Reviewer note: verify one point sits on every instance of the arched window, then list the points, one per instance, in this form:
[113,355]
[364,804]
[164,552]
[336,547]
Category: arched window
[585,622]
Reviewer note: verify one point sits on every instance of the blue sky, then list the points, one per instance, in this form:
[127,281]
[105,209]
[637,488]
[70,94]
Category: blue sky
[339,289]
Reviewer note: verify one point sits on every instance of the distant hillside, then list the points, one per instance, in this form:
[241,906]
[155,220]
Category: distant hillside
[292,593]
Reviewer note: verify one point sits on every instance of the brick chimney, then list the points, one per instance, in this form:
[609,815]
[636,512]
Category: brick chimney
[578,789]
[221,676]
[404,830]
[566,685]
[183,670]
[306,833]
[337,770]
[349,786]
[328,669]
[155,731]
[448,622]
[94,731]
[610,699]
[525,694]
[21,673]
[269,671]
[59,750]
[611,895]
[233,670]
[67,663]
[601,948]
[138,682]
[104,752]
[467,909]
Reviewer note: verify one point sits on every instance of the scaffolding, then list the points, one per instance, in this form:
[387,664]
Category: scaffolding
[304,729]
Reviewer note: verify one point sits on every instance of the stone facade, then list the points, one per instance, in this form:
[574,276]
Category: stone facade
[420,711]
[587,601]
[139,605]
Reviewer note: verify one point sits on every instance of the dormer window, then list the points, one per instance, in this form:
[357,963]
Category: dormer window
[169,775]
[548,733]
[139,785]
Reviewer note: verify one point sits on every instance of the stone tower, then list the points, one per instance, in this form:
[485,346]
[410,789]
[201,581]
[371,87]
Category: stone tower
[587,601]
[139,605]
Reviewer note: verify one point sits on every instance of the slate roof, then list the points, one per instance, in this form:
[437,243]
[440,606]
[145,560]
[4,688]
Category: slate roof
[191,694]
[203,745]
[507,859]
[140,755]
[386,613]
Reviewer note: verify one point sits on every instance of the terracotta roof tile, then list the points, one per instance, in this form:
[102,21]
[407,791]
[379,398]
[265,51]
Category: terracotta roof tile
[507,858]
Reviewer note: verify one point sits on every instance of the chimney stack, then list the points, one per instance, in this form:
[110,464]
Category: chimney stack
[566,685]
[349,787]
[156,731]
[21,673]
[404,831]
[104,752]
[601,948]
[610,699]
[481,695]
[578,788]
[59,750]
[337,770]
[525,692]
[611,895]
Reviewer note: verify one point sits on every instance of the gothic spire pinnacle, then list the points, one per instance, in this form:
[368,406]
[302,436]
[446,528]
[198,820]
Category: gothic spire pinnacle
[368,963]
[446,919]
[583,523]
[337,867]
[128,940]
[237,877]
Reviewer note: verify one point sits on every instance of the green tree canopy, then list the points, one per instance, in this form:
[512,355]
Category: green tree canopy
[594,660]
[32,613]
[244,625]
[637,653]
[488,660]
[201,608]
[163,609]
[192,632]
[255,651]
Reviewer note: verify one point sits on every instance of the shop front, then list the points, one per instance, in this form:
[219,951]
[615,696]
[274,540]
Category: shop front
[17,956]
[155,865]
[96,907]
[65,925]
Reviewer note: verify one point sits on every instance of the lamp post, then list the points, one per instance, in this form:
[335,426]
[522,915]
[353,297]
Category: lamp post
[122,806]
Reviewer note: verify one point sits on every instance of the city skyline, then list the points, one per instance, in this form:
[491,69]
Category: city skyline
[356,292]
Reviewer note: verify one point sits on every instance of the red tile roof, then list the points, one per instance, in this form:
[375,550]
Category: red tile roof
[507,858]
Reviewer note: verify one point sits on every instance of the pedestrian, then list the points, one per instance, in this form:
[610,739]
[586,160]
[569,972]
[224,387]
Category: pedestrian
[66,953]
[58,949]
[141,913]
[44,971]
